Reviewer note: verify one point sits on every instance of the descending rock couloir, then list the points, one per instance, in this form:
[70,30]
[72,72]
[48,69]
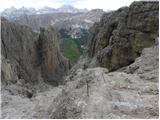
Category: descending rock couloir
[121,35]
[33,57]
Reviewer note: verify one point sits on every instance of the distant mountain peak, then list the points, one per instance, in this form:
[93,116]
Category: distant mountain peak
[14,13]
[66,6]
[70,9]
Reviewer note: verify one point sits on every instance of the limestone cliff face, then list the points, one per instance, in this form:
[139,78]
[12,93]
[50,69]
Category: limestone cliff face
[34,57]
[18,47]
[53,64]
[129,92]
[121,35]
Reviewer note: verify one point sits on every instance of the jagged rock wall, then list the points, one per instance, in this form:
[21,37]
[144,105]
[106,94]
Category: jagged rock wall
[53,64]
[93,92]
[18,47]
[129,92]
[34,57]
[121,35]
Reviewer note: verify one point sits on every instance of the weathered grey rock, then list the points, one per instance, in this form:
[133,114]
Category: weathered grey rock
[8,72]
[35,57]
[29,61]
[53,65]
[145,66]
[18,46]
[94,93]
[121,35]
[129,92]
[37,107]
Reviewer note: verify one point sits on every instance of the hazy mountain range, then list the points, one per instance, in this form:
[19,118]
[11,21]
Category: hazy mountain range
[14,12]
[72,23]
[117,76]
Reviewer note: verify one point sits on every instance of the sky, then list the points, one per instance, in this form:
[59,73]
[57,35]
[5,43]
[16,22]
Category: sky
[89,4]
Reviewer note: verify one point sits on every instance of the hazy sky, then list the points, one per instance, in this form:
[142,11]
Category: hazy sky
[89,4]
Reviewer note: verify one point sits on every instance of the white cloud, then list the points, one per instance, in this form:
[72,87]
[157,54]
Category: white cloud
[103,4]
[89,4]
[28,3]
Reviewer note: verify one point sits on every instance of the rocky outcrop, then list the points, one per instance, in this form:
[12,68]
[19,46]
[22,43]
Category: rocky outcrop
[116,41]
[94,93]
[53,64]
[17,107]
[18,47]
[131,91]
[121,35]
[30,56]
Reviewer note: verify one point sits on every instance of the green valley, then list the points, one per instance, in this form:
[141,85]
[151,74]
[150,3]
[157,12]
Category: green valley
[70,49]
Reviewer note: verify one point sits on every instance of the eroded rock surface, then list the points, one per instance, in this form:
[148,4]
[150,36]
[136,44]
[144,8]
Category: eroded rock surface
[32,56]
[131,91]
[95,93]
[121,35]
[53,65]
[31,64]
[17,107]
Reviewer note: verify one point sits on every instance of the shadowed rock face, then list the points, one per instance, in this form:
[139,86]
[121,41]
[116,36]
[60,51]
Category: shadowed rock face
[34,57]
[53,64]
[18,47]
[129,92]
[121,35]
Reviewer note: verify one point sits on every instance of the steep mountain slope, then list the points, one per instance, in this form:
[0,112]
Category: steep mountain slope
[33,56]
[62,20]
[121,35]
[31,63]
[129,92]
[95,93]
[69,21]
[125,44]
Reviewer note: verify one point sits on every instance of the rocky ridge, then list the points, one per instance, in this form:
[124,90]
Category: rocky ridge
[121,35]
[12,13]
[126,86]
[28,56]
[67,21]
